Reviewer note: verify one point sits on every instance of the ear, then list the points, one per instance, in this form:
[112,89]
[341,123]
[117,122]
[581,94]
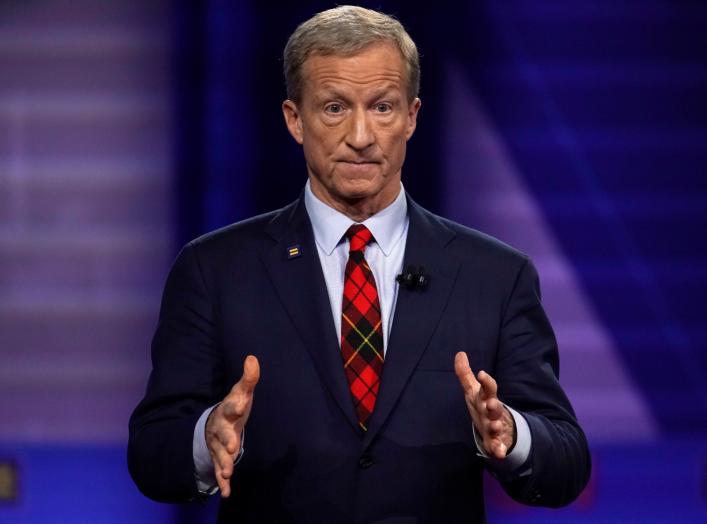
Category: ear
[293,120]
[413,108]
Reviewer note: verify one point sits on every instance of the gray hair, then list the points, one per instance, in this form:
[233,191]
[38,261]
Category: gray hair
[347,30]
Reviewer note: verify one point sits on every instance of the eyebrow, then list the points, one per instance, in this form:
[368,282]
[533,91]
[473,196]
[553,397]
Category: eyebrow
[333,92]
[385,91]
[329,92]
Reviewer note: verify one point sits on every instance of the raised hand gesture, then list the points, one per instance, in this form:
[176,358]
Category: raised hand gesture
[225,424]
[493,422]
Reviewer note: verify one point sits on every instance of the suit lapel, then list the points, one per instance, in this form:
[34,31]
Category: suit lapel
[300,284]
[417,312]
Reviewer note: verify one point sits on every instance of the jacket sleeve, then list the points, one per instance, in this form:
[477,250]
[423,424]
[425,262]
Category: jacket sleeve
[527,373]
[186,378]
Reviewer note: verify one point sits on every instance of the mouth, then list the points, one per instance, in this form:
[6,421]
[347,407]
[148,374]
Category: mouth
[359,162]
[359,166]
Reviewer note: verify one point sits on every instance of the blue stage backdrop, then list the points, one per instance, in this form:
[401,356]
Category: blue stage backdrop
[575,131]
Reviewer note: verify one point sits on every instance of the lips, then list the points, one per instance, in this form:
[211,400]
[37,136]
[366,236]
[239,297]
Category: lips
[358,165]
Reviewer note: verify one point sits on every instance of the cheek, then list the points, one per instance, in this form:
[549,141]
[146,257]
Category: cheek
[394,138]
[312,146]
[396,147]
[318,156]
[320,144]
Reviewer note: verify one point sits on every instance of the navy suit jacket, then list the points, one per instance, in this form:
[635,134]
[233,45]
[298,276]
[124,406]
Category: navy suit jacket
[235,292]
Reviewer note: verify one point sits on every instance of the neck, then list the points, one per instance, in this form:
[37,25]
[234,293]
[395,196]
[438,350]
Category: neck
[357,209]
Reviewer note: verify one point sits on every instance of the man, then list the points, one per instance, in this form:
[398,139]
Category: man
[347,405]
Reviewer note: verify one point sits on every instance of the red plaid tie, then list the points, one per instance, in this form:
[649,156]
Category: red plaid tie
[361,329]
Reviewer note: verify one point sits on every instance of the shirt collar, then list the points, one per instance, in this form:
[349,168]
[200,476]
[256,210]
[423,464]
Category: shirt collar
[329,225]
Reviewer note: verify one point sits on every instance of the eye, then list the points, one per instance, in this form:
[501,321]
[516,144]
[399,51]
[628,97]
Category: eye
[383,107]
[334,109]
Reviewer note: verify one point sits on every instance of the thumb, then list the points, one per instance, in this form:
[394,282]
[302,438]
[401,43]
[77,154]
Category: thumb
[461,366]
[237,403]
[251,374]
[464,373]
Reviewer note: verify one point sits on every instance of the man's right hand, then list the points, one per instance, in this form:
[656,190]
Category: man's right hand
[225,424]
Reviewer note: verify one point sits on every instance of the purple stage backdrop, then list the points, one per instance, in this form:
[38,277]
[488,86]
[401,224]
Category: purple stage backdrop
[85,240]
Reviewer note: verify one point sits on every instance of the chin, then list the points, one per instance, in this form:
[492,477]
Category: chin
[358,191]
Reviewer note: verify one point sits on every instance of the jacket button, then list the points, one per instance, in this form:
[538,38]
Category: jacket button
[366,461]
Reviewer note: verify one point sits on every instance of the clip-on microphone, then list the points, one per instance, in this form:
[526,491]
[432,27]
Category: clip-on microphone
[413,278]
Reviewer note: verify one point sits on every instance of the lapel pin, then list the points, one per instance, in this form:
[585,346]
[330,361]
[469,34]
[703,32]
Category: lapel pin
[293,252]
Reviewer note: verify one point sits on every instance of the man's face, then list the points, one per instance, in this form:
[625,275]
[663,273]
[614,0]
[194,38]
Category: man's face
[353,122]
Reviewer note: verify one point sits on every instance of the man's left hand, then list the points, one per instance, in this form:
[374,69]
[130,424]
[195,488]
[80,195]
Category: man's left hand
[493,422]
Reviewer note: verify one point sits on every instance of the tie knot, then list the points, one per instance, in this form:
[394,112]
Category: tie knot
[359,236]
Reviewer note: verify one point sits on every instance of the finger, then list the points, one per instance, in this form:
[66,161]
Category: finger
[231,445]
[489,388]
[223,469]
[499,449]
[224,484]
[221,457]
[495,427]
[222,450]
[464,374]
[226,464]
[494,409]
[228,439]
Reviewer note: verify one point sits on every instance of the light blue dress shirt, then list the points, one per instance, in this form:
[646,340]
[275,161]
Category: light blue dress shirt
[384,253]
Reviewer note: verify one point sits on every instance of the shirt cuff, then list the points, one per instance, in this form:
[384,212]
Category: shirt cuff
[520,452]
[203,465]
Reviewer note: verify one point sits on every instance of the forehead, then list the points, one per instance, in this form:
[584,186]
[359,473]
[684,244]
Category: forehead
[376,66]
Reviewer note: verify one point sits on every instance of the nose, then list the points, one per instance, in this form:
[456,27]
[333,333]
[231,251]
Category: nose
[360,133]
